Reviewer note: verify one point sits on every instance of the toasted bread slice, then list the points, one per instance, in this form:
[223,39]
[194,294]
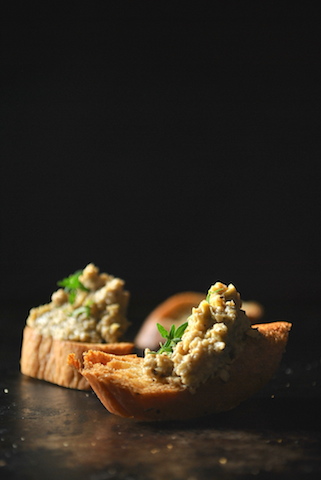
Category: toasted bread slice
[124,389]
[46,358]
[175,310]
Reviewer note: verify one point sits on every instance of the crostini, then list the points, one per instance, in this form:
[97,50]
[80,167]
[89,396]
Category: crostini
[87,312]
[207,365]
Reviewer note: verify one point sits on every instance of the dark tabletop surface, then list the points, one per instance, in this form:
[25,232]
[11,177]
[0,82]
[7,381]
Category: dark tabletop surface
[51,432]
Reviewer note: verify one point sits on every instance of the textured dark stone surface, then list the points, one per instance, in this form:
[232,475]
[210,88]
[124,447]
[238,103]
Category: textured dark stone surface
[51,432]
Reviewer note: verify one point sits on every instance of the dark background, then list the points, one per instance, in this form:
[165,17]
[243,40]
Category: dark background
[171,145]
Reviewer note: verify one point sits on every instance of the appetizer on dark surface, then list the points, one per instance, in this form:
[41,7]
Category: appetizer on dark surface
[208,364]
[88,311]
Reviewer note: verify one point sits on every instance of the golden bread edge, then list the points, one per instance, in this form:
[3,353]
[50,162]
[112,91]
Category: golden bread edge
[249,373]
[45,358]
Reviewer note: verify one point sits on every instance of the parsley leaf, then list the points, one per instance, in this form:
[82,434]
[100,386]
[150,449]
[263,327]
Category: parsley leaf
[71,284]
[172,337]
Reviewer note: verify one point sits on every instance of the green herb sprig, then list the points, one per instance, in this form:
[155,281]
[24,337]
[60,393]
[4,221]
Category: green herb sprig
[71,284]
[210,293]
[173,336]
[78,311]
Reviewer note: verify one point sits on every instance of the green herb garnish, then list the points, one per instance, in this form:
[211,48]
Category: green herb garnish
[208,296]
[71,284]
[85,309]
[172,337]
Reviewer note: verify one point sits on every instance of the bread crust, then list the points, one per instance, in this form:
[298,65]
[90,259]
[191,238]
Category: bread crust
[46,358]
[118,385]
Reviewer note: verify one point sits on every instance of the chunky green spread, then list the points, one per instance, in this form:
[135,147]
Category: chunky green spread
[90,307]
[212,340]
